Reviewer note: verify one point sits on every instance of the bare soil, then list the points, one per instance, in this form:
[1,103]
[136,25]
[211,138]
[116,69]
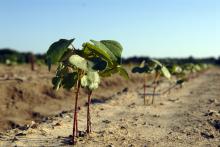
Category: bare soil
[187,117]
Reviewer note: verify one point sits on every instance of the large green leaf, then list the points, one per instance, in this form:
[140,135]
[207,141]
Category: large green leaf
[143,68]
[115,47]
[165,72]
[97,64]
[56,81]
[69,80]
[154,63]
[117,69]
[103,47]
[57,50]
[109,50]
[123,72]
[94,51]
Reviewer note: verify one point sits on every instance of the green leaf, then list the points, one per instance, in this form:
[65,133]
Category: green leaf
[94,51]
[142,63]
[56,81]
[115,47]
[123,72]
[165,72]
[91,80]
[176,69]
[79,62]
[144,69]
[154,63]
[56,51]
[97,64]
[109,72]
[109,50]
[69,80]
[104,48]
[180,82]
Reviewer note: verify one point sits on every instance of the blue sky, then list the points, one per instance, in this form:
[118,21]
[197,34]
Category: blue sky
[156,28]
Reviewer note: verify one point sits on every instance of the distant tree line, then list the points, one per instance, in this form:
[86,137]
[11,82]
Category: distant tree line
[7,54]
[209,60]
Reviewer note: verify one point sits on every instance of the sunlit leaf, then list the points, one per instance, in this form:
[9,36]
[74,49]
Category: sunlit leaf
[165,72]
[92,50]
[123,72]
[115,47]
[56,51]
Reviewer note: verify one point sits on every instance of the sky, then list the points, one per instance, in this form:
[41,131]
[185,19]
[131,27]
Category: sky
[155,28]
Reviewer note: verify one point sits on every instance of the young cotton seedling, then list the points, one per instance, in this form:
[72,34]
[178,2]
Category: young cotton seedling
[159,70]
[91,81]
[143,68]
[152,67]
[177,71]
[83,67]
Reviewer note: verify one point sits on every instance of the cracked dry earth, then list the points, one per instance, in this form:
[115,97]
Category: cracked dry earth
[187,117]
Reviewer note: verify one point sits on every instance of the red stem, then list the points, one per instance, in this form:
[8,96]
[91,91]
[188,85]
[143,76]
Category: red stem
[75,122]
[88,113]
[157,76]
[144,89]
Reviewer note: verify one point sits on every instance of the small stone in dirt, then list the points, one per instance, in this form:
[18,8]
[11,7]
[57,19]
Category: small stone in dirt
[33,125]
[82,133]
[106,121]
[173,100]
[57,124]
[101,109]
[142,114]
[216,124]
[123,127]
[211,113]
[132,105]
[20,134]
[23,128]
[125,89]
[207,135]
[156,115]
[110,145]
[213,101]
[144,123]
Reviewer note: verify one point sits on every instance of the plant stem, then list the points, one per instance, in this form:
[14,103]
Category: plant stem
[144,89]
[157,76]
[88,113]
[75,123]
[171,87]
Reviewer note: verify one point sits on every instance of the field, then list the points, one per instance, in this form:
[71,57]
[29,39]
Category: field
[32,113]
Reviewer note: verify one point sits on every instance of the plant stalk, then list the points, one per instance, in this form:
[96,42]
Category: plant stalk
[89,124]
[144,89]
[171,87]
[157,76]
[75,122]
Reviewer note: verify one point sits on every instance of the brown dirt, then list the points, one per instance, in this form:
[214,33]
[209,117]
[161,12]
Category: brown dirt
[187,117]
[27,95]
